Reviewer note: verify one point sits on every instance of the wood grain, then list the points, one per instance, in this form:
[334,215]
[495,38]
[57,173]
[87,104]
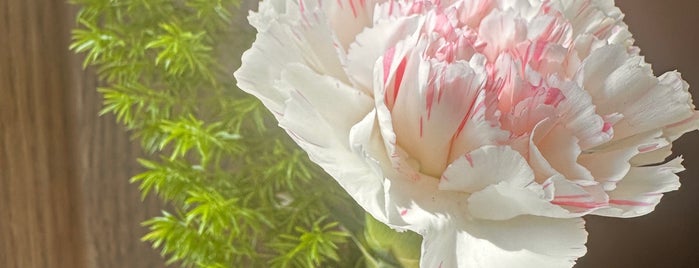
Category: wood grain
[106,159]
[65,197]
[40,206]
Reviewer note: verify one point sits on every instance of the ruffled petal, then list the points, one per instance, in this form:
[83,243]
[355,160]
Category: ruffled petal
[641,189]
[312,98]
[371,44]
[505,200]
[578,197]
[578,113]
[349,17]
[533,113]
[295,36]
[619,83]
[485,166]
[667,103]
[389,72]
[557,197]
[501,31]
[673,132]
[560,148]
[525,241]
[599,18]
[426,119]
[476,130]
[610,163]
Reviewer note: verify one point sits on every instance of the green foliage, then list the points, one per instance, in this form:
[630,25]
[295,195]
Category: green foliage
[239,193]
[391,248]
[308,248]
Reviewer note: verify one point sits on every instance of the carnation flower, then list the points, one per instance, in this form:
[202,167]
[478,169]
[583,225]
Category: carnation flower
[487,126]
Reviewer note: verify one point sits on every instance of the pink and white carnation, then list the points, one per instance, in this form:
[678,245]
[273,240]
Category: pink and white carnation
[487,126]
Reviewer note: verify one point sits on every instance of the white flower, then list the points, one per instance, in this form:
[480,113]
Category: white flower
[487,126]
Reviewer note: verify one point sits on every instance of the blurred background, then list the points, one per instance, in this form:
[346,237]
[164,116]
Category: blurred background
[65,200]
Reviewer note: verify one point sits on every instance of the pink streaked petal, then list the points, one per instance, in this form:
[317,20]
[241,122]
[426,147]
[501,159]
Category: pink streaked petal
[579,115]
[609,164]
[621,202]
[373,43]
[673,131]
[397,156]
[476,130]
[653,157]
[425,124]
[550,28]
[506,200]
[501,30]
[578,198]
[471,13]
[348,18]
[644,186]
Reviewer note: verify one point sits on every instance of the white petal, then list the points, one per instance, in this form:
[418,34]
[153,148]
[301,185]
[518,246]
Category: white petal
[269,11]
[579,197]
[560,148]
[596,68]
[471,13]
[542,168]
[652,157]
[505,200]
[371,44]
[485,166]
[501,30]
[556,197]
[314,128]
[348,17]
[610,163]
[450,241]
[598,17]
[640,191]
[625,84]
[411,200]
[674,131]
[339,104]
[579,115]
[262,65]
[667,103]
[305,39]
[525,241]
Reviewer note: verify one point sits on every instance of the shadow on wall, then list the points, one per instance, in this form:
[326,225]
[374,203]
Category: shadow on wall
[666,32]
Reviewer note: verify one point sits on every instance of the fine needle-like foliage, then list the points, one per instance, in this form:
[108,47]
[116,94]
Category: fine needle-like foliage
[239,192]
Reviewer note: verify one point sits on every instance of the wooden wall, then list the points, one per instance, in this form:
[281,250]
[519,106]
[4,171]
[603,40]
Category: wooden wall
[65,200]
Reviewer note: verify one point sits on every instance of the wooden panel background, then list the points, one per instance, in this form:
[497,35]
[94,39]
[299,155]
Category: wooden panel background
[65,200]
